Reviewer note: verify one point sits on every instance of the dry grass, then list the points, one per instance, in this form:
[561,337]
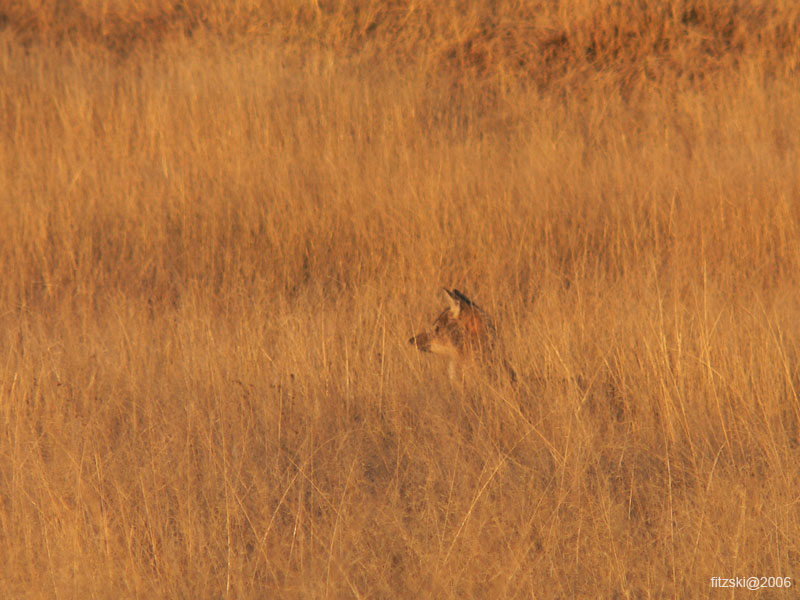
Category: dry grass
[216,239]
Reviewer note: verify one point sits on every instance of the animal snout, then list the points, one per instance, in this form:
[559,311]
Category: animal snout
[421,341]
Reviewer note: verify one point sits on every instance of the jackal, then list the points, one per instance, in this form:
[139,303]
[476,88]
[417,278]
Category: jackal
[463,331]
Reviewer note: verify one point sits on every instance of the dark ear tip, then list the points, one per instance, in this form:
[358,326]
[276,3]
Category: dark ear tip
[462,297]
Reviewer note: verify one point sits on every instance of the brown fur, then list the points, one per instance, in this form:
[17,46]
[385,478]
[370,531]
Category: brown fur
[461,331]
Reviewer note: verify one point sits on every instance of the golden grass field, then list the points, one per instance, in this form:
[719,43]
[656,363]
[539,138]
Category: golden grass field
[220,223]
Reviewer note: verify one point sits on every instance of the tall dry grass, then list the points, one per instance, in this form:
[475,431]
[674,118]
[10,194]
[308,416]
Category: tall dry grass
[215,246]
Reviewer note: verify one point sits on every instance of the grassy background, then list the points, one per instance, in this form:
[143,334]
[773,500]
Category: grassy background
[221,222]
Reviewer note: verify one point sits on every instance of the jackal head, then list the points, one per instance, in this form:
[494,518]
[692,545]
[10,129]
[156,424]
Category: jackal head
[462,330]
[462,327]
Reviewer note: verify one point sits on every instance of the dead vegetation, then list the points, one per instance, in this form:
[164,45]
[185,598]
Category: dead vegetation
[221,222]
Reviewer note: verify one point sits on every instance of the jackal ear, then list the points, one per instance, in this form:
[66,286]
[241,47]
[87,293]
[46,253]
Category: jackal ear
[455,303]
